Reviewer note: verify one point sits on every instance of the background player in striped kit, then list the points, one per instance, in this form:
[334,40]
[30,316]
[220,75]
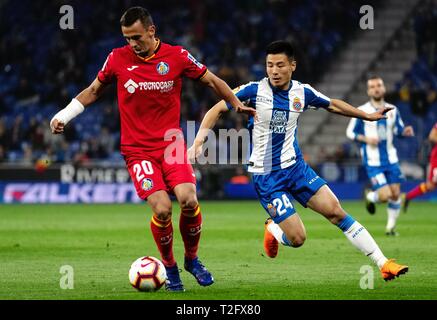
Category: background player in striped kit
[276,163]
[379,155]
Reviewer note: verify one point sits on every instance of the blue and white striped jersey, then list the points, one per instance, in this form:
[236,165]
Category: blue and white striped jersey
[274,135]
[385,129]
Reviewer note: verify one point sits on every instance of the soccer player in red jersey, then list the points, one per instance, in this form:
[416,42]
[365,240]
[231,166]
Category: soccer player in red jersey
[149,75]
[431,183]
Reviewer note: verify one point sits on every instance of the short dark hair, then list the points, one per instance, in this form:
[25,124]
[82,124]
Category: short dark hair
[281,46]
[374,77]
[136,13]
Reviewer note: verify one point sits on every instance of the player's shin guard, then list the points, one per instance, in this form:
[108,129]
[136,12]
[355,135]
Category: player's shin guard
[162,231]
[393,210]
[362,240]
[190,226]
[416,192]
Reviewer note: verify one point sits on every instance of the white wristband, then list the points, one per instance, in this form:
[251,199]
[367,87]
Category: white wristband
[73,109]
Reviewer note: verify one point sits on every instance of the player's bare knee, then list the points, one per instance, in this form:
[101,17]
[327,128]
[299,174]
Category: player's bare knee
[162,212]
[189,202]
[161,209]
[395,196]
[384,195]
[298,241]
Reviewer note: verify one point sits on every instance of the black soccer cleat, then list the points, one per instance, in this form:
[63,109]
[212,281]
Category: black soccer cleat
[391,233]
[370,206]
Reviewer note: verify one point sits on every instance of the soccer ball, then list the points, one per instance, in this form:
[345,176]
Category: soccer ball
[147,274]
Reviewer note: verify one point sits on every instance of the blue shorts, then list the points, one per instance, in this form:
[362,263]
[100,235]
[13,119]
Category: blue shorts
[277,188]
[384,175]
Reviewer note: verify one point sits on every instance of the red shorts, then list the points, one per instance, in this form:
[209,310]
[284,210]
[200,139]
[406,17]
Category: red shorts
[433,172]
[150,172]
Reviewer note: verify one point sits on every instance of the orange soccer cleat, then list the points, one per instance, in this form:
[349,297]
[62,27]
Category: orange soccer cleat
[391,269]
[270,243]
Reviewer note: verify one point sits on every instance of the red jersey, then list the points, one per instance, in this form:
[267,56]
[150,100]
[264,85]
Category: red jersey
[149,91]
[433,158]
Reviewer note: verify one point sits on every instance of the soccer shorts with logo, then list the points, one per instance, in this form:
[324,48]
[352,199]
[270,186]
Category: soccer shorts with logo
[383,175]
[151,172]
[277,188]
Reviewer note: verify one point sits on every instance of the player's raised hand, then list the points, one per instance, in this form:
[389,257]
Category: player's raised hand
[57,126]
[372,141]
[379,114]
[241,108]
[408,131]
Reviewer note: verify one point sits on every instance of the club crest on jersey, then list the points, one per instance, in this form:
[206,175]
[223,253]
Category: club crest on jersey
[297,105]
[147,184]
[162,68]
[272,210]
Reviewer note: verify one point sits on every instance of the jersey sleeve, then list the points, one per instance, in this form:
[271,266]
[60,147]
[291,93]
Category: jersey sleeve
[107,74]
[191,67]
[314,99]
[246,94]
[355,127]
[399,124]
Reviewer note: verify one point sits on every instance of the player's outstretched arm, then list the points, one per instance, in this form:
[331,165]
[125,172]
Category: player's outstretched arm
[223,91]
[76,106]
[208,122]
[345,109]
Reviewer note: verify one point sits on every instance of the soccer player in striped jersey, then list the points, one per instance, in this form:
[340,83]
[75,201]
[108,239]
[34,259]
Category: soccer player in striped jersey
[276,162]
[431,183]
[378,153]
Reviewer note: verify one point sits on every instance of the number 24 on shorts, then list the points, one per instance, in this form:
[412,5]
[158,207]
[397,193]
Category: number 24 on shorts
[282,204]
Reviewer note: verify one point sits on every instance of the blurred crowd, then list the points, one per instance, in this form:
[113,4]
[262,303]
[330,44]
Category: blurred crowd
[42,67]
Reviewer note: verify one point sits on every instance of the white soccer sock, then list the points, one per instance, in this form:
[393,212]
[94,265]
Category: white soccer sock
[277,232]
[393,210]
[363,241]
[372,196]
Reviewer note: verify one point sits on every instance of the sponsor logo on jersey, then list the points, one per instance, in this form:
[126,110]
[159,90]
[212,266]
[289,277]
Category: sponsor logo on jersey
[272,210]
[132,68]
[131,86]
[147,184]
[162,86]
[263,99]
[162,68]
[279,121]
[297,105]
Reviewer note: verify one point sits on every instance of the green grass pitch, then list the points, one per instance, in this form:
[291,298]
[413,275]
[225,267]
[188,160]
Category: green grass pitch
[101,241]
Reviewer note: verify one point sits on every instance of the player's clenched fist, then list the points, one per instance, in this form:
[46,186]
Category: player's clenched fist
[59,120]
[57,126]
